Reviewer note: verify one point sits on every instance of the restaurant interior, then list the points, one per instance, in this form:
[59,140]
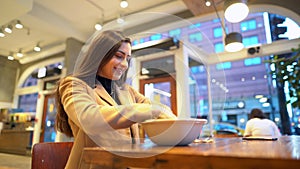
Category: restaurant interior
[181,57]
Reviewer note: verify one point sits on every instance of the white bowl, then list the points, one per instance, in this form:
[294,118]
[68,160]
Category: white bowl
[171,132]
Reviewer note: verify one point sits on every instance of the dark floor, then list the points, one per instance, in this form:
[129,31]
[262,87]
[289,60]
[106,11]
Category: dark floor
[12,161]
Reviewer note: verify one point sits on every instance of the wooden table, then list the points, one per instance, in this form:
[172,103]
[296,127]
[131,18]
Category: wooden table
[223,153]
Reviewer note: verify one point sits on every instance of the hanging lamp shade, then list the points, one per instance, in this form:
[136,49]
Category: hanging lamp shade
[19,25]
[20,54]
[37,47]
[10,56]
[234,42]
[235,10]
[8,29]
[2,33]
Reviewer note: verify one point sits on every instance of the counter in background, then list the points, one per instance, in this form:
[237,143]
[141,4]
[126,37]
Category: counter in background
[16,141]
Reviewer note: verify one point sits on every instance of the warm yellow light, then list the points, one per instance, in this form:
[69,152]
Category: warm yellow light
[258,96]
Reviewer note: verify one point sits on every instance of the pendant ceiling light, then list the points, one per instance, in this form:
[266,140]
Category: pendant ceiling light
[124,4]
[8,29]
[20,54]
[120,19]
[10,56]
[207,3]
[98,26]
[234,42]
[19,25]
[37,48]
[2,33]
[235,10]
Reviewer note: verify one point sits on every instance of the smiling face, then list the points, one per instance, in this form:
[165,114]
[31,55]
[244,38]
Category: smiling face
[118,64]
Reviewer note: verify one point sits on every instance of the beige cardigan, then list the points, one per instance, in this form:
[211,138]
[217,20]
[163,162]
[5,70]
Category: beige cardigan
[89,110]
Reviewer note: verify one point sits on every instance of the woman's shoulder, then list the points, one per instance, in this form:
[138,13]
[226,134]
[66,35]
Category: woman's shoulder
[72,80]
[73,83]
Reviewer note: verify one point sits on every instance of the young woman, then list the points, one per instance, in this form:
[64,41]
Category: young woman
[94,104]
[259,125]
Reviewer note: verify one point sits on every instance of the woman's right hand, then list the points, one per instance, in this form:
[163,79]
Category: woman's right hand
[141,112]
[165,111]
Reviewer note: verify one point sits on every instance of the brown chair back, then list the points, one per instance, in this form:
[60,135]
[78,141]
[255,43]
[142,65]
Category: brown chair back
[50,155]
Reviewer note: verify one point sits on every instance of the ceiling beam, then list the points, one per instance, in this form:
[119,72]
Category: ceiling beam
[275,48]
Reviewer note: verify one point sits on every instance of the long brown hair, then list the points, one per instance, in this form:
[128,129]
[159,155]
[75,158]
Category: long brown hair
[61,120]
[61,123]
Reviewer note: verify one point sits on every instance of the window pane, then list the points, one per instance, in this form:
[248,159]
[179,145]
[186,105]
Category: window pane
[252,61]
[225,65]
[252,40]
[218,32]
[135,42]
[156,37]
[195,37]
[159,92]
[30,81]
[28,102]
[175,33]
[248,25]
[219,47]
[196,25]
[142,40]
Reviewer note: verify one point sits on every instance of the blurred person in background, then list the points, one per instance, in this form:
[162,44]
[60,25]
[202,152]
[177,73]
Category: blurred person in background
[259,125]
